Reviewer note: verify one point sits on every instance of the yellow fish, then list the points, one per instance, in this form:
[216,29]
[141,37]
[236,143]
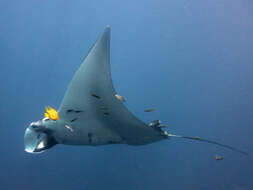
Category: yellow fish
[217,157]
[51,113]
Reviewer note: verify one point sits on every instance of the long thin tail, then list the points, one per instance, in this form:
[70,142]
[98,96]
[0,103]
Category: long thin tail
[208,141]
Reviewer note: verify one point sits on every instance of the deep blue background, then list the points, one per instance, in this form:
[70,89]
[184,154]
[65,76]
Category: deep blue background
[191,59]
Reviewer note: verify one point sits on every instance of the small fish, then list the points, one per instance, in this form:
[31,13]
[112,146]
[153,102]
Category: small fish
[149,110]
[217,157]
[78,111]
[197,137]
[154,123]
[69,110]
[95,95]
[120,98]
[106,113]
[163,126]
[70,128]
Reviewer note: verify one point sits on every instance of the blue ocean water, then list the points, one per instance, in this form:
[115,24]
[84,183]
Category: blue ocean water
[192,60]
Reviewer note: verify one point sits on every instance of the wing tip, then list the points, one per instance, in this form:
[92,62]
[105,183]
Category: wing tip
[108,27]
[107,31]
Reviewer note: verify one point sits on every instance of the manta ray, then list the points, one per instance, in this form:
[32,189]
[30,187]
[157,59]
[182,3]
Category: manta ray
[91,114]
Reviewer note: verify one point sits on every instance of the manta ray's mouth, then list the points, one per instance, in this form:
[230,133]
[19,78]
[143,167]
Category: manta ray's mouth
[36,141]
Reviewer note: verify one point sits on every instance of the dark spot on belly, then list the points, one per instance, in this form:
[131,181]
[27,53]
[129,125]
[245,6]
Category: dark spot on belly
[72,110]
[73,119]
[95,95]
